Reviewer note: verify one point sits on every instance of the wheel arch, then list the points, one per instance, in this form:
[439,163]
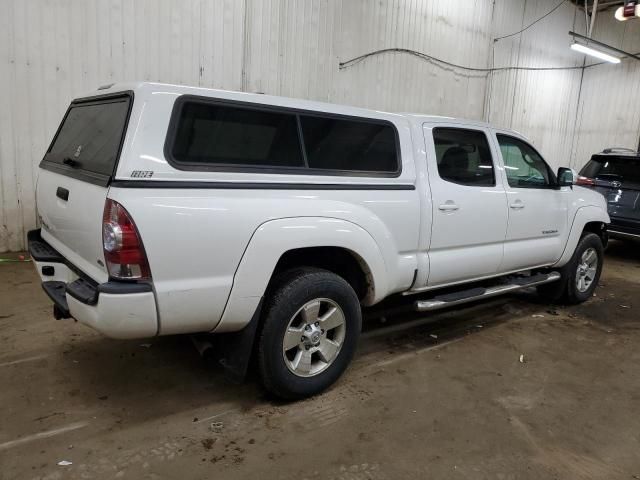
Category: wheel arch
[339,260]
[304,241]
[587,219]
[599,228]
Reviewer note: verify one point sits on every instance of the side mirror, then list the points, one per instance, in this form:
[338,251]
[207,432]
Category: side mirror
[566,177]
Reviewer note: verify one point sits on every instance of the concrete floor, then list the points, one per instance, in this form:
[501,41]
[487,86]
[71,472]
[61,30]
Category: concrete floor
[461,405]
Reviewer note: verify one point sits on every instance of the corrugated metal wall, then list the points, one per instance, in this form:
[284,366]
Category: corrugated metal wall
[53,50]
[541,104]
[609,109]
[568,114]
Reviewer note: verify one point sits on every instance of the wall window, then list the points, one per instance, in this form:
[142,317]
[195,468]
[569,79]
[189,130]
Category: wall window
[336,144]
[523,165]
[207,134]
[224,135]
[464,157]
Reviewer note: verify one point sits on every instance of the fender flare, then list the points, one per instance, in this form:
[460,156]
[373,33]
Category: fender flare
[274,238]
[584,215]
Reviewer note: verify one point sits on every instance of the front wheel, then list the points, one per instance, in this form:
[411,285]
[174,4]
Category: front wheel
[580,275]
[309,333]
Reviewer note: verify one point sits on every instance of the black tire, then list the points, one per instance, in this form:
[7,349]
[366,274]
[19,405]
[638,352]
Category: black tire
[291,291]
[566,290]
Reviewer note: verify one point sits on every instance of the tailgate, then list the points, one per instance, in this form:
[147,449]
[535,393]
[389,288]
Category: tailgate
[74,179]
[73,226]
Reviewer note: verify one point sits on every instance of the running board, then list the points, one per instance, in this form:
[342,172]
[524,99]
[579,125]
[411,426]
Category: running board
[474,294]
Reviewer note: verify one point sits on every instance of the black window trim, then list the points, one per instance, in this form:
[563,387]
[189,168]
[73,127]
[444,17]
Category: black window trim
[297,112]
[553,185]
[473,130]
[88,176]
[301,142]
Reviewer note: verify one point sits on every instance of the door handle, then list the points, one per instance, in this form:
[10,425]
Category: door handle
[62,193]
[449,206]
[517,205]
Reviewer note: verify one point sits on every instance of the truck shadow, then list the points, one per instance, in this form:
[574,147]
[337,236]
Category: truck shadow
[163,376]
[137,381]
[415,331]
[143,380]
[625,251]
[127,383]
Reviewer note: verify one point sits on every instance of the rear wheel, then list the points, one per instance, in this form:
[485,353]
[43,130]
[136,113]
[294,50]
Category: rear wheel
[309,332]
[580,275]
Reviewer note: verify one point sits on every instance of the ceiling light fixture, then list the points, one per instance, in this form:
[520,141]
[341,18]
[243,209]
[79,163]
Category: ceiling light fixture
[578,47]
[603,51]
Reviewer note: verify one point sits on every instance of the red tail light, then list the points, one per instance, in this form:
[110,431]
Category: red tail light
[585,181]
[123,249]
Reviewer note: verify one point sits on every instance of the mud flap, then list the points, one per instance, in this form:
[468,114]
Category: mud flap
[234,350]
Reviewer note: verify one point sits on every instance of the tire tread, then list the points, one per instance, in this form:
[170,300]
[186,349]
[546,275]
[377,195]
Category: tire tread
[285,287]
[564,291]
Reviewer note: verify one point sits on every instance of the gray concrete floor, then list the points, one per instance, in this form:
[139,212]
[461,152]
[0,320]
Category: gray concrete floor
[461,405]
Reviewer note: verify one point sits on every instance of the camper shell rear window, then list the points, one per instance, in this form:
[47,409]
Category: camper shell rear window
[211,134]
[88,142]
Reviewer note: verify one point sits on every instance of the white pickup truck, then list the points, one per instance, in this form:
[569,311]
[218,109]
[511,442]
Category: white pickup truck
[271,222]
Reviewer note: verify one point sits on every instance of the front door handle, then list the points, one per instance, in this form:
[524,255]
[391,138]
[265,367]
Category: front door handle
[449,206]
[517,205]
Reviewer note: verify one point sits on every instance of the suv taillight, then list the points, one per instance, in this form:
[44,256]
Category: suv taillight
[123,249]
[585,181]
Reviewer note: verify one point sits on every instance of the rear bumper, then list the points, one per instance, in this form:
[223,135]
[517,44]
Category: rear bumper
[115,309]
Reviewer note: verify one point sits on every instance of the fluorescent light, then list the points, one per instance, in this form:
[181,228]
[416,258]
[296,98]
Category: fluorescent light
[594,53]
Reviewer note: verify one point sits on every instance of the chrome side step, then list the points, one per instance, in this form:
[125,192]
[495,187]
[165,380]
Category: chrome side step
[474,294]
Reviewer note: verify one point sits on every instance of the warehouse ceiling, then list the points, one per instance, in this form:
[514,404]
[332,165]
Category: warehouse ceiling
[602,5]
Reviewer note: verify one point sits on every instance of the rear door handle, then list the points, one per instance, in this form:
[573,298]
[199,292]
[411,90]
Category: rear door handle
[62,193]
[449,206]
[517,205]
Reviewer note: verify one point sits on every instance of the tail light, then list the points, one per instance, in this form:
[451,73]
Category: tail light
[123,249]
[585,181]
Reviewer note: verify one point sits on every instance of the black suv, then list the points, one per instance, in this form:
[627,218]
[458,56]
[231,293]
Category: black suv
[616,174]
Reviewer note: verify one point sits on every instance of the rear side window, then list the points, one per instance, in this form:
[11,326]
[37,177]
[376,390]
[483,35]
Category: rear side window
[222,135]
[464,157]
[613,168]
[90,136]
[335,144]
[211,135]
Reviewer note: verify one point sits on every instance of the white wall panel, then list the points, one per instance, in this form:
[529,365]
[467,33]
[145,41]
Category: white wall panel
[400,82]
[54,50]
[290,49]
[540,104]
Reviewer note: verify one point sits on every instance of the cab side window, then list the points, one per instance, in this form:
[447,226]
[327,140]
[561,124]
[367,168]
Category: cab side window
[525,168]
[464,157]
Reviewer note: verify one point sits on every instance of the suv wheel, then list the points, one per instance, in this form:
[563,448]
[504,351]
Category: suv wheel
[580,275]
[309,333]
